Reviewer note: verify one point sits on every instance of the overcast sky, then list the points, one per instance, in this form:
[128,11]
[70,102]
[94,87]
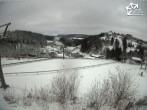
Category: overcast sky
[74,16]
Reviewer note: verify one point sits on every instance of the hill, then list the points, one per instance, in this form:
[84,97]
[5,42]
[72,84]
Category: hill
[22,40]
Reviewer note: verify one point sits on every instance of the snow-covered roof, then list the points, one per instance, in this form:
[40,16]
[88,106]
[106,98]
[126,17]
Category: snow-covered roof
[130,49]
[136,59]
[96,56]
[76,51]
[78,38]
[103,38]
[135,44]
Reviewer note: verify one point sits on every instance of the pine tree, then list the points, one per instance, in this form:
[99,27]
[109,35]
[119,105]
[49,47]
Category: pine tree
[124,50]
[116,44]
[112,53]
[84,46]
[108,53]
[124,44]
[117,54]
[112,41]
[141,52]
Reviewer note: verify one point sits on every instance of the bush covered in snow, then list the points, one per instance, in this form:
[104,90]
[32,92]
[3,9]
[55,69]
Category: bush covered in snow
[65,86]
[116,91]
[98,95]
[10,96]
[122,86]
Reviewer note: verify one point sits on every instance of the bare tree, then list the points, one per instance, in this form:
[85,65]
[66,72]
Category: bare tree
[116,91]
[122,86]
[97,96]
[65,86]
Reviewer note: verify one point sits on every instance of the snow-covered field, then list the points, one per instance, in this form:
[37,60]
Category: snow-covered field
[54,64]
[88,75]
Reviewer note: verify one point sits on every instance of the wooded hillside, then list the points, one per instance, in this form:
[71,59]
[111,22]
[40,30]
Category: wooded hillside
[21,40]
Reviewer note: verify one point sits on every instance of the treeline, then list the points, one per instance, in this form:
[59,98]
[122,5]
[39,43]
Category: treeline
[68,40]
[20,40]
[92,43]
[119,51]
[113,48]
[26,37]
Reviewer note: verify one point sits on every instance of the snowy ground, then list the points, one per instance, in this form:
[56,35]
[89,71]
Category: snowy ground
[54,64]
[88,74]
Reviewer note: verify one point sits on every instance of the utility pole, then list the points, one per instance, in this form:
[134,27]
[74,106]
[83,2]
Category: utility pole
[2,79]
[63,52]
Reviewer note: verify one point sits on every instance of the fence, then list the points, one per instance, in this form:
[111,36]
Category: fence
[56,71]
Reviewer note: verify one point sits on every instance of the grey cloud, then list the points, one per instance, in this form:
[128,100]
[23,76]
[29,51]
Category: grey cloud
[74,16]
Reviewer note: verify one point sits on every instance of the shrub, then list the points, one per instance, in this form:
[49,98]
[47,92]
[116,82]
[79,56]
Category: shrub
[142,102]
[122,86]
[10,96]
[65,86]
[97,95]
[26,98]
[115,91]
